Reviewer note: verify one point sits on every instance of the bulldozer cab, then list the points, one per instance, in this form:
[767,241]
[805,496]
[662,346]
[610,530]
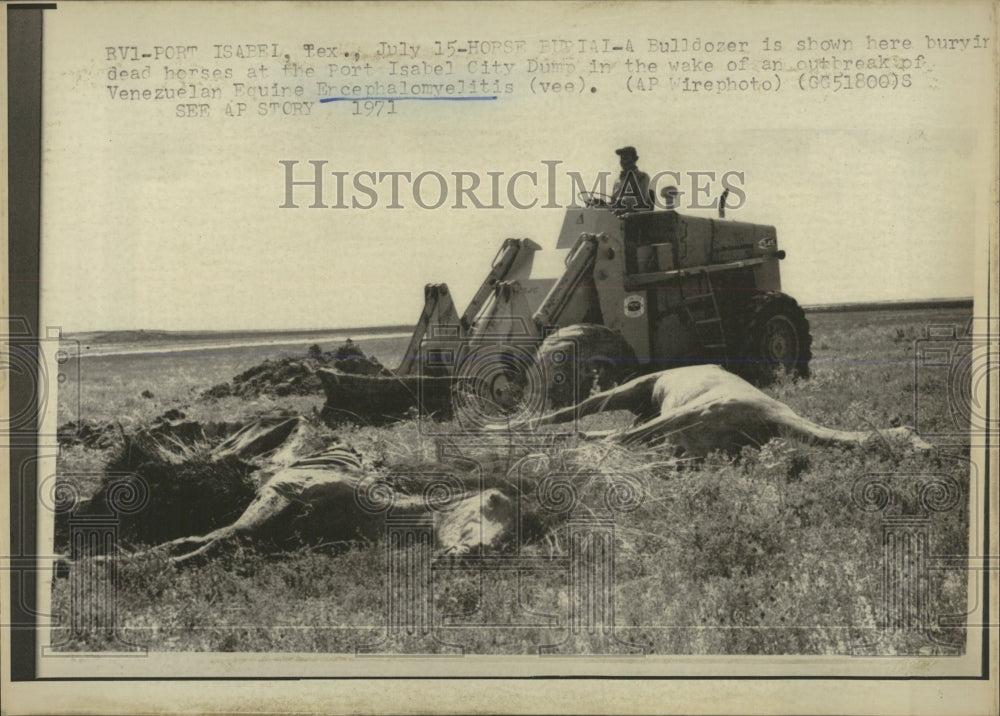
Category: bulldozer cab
[667,281]
[666,240]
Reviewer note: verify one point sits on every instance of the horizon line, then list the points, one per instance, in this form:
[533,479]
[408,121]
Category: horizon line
[911,304]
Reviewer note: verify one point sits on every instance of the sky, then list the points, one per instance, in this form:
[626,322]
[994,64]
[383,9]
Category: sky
[156,222]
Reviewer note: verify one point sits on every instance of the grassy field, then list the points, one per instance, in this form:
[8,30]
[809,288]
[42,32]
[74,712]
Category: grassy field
[765,553]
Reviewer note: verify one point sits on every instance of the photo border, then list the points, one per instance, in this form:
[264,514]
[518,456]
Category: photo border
[23,94]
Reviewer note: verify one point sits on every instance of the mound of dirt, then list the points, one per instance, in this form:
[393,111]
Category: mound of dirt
[89,433]
[297,375]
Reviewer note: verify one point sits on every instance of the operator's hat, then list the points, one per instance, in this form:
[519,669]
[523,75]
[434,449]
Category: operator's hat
[627,152]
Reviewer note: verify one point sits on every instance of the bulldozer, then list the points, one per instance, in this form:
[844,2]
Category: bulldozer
[642,291]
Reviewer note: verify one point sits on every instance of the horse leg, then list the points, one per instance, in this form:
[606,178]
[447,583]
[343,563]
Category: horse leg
[799,427]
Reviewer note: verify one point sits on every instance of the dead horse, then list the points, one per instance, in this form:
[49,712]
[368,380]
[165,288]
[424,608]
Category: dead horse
[704,408]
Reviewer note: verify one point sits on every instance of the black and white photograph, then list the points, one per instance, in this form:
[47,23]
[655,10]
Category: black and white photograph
[548,357]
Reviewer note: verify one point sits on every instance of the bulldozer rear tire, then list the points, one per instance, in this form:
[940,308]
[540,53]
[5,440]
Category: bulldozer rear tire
[773,338]
[578,359]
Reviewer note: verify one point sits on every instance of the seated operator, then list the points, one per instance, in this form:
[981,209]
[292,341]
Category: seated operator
[631,192]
